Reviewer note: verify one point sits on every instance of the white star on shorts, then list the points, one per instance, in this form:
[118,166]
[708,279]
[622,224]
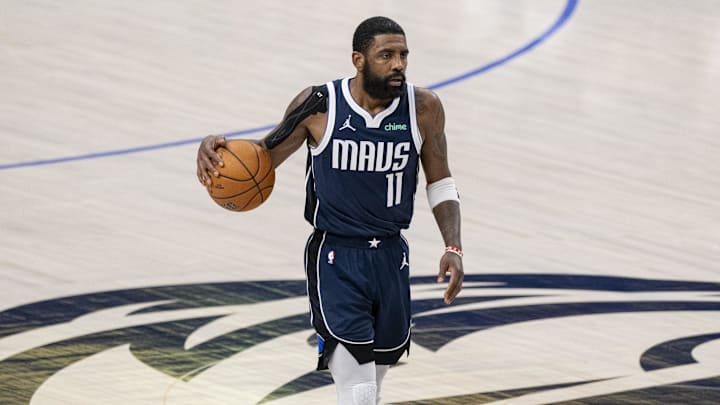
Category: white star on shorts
[374,243]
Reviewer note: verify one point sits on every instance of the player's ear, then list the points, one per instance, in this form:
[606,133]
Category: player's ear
[358,59]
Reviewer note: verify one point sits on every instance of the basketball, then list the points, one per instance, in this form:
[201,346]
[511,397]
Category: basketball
[247,178]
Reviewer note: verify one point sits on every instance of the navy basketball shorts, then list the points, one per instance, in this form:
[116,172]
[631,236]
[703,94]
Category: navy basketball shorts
[359,292]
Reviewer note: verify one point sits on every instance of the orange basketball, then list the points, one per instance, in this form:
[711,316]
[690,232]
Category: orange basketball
[247,178]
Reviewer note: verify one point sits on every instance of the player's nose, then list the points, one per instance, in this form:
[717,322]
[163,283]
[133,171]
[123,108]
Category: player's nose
[398,64]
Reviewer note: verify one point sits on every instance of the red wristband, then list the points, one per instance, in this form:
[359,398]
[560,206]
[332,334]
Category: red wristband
[453,249]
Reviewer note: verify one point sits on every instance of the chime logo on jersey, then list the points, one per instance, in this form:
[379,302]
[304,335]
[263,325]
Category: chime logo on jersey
[367,156]
[140,344]
[395,127]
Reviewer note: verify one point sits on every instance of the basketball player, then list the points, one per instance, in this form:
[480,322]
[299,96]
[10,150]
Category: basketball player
[366,137]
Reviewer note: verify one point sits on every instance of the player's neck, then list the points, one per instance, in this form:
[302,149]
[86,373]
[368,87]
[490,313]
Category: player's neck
[364,100]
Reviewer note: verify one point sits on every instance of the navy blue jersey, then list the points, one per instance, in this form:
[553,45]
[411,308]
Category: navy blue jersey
[361,178]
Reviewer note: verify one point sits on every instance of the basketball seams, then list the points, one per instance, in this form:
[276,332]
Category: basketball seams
[223,176]
[267,173]
[243,192]
[235,195]
[257,157]
[250,188]
[247,169]
[253,199]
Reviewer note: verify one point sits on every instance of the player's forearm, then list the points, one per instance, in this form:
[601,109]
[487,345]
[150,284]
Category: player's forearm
[285,149]
[447,216]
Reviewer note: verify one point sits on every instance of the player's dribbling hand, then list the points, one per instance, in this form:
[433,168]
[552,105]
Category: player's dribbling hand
[451,263]
[207,159]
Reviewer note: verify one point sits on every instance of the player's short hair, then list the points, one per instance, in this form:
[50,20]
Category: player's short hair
[365,32]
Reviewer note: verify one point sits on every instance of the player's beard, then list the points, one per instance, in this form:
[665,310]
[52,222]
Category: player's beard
[379,87]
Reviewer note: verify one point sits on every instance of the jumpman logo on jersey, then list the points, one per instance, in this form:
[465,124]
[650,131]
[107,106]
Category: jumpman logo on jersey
[404,262]
[347,124]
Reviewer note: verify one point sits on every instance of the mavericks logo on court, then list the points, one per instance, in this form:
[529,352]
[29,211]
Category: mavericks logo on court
[560,339]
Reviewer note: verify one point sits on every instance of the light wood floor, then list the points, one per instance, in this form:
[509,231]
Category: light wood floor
[588,164]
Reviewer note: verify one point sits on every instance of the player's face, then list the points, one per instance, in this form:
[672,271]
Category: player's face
[384,67]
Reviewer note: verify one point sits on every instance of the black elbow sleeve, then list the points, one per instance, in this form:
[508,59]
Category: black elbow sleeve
[316,102]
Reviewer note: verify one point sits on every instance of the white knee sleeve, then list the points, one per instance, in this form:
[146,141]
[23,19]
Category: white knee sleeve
[380,371]
[355,383]
[364,394]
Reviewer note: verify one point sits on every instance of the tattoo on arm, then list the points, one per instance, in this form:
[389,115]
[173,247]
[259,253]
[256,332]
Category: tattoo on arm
[438,147]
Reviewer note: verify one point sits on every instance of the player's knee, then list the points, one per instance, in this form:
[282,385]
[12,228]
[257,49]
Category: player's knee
[356,383]
[364,394]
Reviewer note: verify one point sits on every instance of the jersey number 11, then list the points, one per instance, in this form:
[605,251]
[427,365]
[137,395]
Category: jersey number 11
[394,188]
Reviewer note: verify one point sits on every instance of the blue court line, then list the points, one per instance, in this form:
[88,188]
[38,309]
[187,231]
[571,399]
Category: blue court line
[566,14]
[126,151]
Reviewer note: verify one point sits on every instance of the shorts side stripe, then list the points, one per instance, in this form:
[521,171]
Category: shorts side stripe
[327,327]
[400,346]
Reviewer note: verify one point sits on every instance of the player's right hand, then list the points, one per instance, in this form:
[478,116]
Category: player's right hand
[207,159]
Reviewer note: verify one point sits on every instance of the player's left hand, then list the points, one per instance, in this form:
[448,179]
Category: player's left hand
[451,263]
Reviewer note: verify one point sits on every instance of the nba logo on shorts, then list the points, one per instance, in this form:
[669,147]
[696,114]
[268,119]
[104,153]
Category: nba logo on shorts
[331,257]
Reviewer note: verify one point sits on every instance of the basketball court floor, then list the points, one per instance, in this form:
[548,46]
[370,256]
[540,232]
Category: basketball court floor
[584,137]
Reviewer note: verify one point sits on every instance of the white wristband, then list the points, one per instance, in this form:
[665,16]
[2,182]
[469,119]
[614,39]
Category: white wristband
[442,190]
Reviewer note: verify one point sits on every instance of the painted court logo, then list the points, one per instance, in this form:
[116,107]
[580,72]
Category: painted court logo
[169,343]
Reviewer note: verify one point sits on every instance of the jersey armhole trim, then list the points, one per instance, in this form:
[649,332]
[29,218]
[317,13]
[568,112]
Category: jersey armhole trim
[330,126]
[414,129]
[317,197]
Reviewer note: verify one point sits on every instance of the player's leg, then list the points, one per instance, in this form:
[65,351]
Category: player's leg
[380,371]
[340,301]
[353,379]
[339,286]
[355,383]
[392,319]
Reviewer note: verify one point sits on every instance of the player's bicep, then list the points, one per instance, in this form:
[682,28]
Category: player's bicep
[434,154]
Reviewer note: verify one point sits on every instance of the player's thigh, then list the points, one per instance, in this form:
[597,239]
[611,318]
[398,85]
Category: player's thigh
[393,315]
[344,294]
